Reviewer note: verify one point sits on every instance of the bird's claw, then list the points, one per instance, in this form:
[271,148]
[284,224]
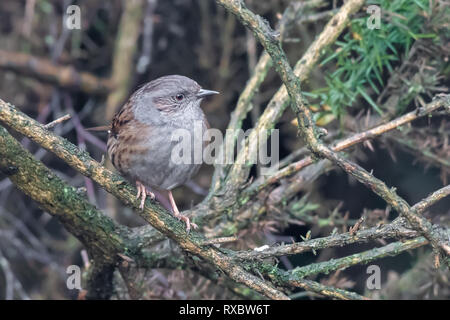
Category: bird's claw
[187,221]
[143,192]
[151,195]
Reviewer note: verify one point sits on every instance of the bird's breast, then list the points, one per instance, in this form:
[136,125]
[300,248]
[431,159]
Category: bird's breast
[163,156]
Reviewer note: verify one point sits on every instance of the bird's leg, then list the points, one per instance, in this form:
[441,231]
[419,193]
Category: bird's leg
[143,192]
[179,216]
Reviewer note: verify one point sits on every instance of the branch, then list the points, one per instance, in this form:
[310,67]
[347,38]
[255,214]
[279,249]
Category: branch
[244,104]
[246,212]
[326,291]
[257,186]
[423,152]
[124,51]
[104,239]
[395,229]
[45,70]
[297,275]
[154,214]
[308,130]
[286,278]
[57,121]
[101,235]
[276,106]
[432,199]
[358,258]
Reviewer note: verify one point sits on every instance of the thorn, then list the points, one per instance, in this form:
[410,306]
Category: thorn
[357,225]
[57,121]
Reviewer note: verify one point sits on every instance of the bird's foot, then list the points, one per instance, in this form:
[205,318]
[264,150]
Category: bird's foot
[142,193]
[186,220]
[179,216]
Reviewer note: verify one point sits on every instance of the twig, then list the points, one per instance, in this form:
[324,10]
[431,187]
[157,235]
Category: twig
[357,258]
[219,240]
[356,226]
[432,199]
[317,16]
[57,121]
[244,104]
[258,185]
[45,70]
[28,19]
[326,291]
[238,173]
[287,278]
[125,48]
[395,229]
[306,124]
[159,218]
[438,161]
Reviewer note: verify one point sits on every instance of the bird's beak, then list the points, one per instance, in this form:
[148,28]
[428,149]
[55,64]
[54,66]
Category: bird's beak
[204,93]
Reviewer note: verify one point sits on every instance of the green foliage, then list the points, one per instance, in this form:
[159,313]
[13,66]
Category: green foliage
[303,207]
[364,55]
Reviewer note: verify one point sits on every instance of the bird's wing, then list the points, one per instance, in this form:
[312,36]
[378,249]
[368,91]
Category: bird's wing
[124,116]
[127,140]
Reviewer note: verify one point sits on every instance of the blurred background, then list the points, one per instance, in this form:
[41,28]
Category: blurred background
[48,70]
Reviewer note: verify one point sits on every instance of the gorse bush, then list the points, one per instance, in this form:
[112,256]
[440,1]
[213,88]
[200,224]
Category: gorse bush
[358,63]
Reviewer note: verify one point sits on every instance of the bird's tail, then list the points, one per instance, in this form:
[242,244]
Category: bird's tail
[100,128]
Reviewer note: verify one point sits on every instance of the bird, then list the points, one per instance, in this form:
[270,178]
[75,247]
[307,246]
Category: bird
[140,143]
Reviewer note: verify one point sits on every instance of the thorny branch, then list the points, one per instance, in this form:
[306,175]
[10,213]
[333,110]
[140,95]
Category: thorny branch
[239,173]
[159,218]
[269,39]
[244,104]
[348,142]
[29,126]
[107,241]
[326,291]
[397,229]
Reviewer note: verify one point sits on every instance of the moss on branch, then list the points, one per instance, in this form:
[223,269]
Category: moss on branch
[154,214]
[269,39]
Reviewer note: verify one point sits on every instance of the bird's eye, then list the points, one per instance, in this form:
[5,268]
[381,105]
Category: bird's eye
[179,96]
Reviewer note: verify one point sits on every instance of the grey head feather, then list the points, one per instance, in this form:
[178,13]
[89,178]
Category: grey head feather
[169,100]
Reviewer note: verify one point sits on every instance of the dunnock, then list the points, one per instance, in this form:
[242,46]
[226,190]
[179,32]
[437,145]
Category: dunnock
[140,139]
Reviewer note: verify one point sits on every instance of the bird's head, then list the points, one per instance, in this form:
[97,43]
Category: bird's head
[174,94]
